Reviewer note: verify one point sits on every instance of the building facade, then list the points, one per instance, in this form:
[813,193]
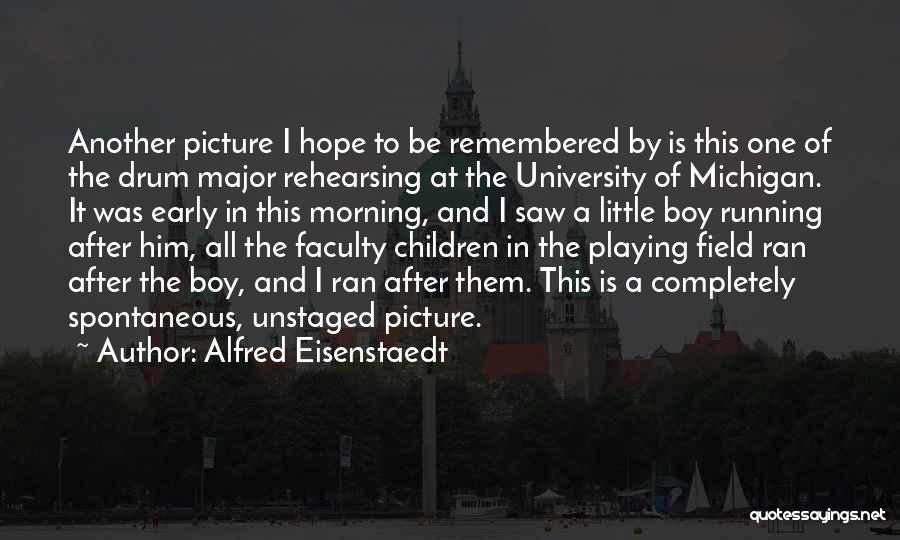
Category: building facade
[571,339]
[582,336]
[198,263]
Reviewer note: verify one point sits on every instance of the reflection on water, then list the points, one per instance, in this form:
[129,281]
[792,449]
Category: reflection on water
[402,530]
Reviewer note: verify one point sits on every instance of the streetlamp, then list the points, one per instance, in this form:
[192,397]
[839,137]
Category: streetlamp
[59,464]
[429,445]
[208,462]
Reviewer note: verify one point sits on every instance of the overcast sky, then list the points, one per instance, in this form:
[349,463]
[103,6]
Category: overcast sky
[359,67]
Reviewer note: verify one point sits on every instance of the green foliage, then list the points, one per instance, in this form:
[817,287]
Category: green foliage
[194,401]
[815,421]
[56,395]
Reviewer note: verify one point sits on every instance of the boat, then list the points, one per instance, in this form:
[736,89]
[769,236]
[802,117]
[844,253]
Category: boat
[579,510]
[697,498]
[468,506]
[890,530]
[652,513]
[734,495]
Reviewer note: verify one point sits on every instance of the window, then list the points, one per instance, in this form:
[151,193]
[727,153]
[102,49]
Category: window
[568,348]
[438,267]
[570,312]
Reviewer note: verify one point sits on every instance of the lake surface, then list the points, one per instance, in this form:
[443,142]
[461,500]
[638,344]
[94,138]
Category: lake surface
[403,530]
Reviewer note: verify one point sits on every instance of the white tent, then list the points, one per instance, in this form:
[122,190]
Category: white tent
[734,496]
[697,495]
[548,496]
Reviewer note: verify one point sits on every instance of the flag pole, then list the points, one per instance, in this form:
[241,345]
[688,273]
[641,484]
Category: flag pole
[59,468]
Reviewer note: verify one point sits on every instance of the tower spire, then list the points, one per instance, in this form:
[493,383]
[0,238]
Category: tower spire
[459,42]
[309,300]
[177,199]
[459,116]
[177,230]
[717,322]
[575,231]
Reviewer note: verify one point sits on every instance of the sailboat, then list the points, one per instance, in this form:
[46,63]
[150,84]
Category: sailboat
[697,495]
[734,496]
[652,512]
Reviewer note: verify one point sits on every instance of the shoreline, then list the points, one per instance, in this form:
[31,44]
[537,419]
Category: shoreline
[284,515]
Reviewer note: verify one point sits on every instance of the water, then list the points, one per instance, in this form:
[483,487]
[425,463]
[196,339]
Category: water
[403,530]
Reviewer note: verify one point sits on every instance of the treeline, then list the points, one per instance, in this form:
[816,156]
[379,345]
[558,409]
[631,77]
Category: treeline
[814,424]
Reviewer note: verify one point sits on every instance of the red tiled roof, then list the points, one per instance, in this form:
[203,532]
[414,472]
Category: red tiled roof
[630,374]
[729,343]
[273,371]
[505,360]
[706,352]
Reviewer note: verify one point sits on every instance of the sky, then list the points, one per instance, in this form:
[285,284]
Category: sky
[348,68]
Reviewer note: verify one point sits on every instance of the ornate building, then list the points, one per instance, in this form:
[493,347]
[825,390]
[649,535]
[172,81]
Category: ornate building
[504,318]
[184,300]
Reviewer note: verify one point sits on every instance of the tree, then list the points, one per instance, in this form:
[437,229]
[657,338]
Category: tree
[43,398]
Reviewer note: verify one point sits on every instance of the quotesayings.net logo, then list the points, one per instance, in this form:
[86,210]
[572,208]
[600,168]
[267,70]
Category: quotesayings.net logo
[824,516]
